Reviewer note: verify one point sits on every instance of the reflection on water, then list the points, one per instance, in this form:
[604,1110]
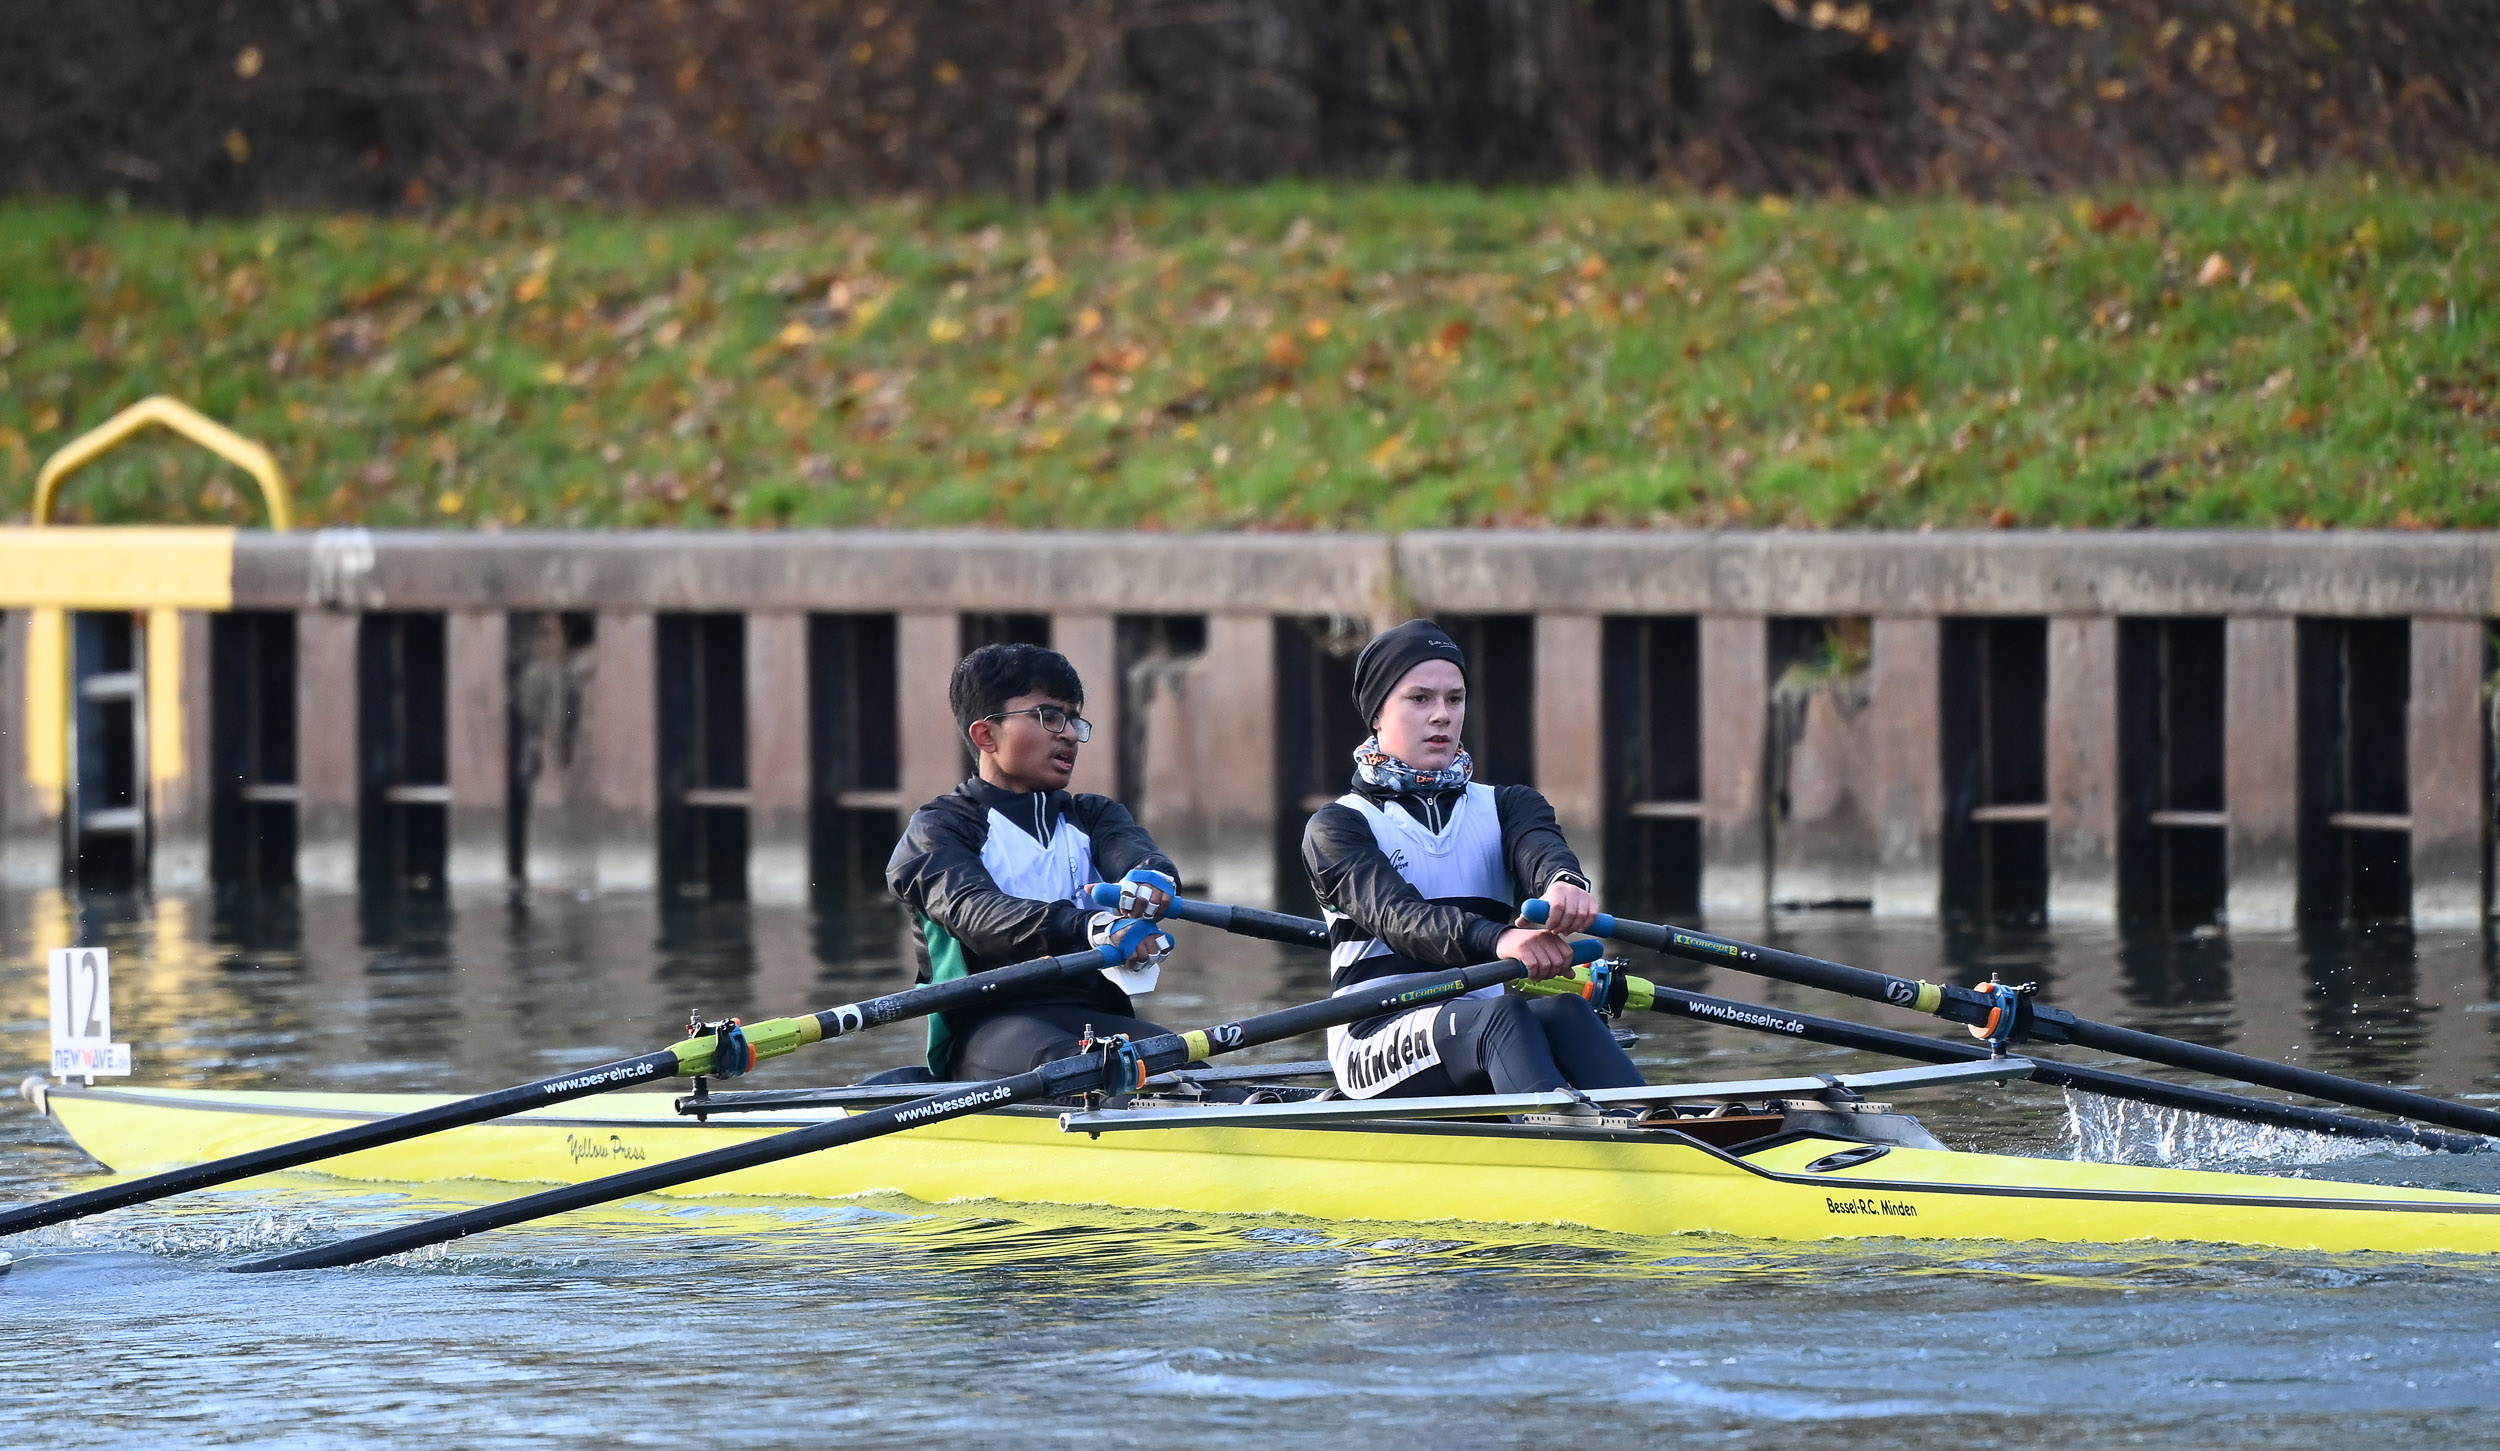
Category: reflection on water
[984,1323]
[391,991]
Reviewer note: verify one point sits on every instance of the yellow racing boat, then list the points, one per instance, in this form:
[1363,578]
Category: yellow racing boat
[1782,1159]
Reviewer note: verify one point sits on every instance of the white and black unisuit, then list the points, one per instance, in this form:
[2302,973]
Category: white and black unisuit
[1420,879]
[997,877]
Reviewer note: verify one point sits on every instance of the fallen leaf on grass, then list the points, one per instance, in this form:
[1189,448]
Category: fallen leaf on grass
[2126,216]
[2217,268]
[1126,358]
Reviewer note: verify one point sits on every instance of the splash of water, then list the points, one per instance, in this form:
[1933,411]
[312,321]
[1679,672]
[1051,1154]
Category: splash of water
[2121,1131]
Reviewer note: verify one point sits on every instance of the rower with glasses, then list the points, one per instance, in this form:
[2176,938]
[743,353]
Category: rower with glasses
[996,872]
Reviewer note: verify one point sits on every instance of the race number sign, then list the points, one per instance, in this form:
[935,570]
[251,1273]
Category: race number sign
[82,1015]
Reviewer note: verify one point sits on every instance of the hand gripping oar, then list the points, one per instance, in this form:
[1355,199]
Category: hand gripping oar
[1117,1066]
[1627,991]
[2004,1015]
[1242,921]
[724,1050]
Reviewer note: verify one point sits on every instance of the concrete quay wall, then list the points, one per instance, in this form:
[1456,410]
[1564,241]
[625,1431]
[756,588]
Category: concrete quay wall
[2000,723]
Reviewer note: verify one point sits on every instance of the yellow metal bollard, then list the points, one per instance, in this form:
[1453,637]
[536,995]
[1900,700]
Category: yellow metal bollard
[182,418]
[158,570]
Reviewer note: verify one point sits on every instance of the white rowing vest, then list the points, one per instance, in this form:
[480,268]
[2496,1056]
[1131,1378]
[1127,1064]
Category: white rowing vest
[1464,859]
[1057,870]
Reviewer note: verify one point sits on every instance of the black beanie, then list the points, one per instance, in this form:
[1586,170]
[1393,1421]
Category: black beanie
[1385,661]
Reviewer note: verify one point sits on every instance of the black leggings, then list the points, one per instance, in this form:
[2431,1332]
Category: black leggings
[1010,1042]
[1519,1044]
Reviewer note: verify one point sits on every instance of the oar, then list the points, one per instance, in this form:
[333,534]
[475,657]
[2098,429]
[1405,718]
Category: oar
[1729,1012]
[727,1050]
[1244,921]
[2004,1015]
[1642,994]
[1119,1066]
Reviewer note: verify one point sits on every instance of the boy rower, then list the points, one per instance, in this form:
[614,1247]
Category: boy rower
[996,872]
[1419,866]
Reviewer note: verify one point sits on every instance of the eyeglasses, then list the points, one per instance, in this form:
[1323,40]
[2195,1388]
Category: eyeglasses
[1054,720]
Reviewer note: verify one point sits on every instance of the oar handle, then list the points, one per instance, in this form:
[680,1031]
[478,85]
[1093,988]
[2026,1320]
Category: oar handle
[1241,921]
[1537,910]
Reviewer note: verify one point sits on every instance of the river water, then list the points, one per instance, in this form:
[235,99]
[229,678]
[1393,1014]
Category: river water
[897,1323]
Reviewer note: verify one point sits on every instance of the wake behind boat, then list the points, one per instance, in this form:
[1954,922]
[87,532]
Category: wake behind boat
[1781,1159]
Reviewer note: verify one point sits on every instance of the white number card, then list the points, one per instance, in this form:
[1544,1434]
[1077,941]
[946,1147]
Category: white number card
[82,1015]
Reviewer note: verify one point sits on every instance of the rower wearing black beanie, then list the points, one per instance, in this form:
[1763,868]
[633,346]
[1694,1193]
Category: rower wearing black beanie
[1418,866]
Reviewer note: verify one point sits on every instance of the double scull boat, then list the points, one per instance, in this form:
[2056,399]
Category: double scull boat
[1782,1159]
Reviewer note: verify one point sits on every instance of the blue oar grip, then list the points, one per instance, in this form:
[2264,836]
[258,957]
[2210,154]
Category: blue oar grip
[1587,949]
[1205,914]
[1537,909]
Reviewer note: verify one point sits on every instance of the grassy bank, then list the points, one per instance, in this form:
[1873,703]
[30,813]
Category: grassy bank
[2304,354]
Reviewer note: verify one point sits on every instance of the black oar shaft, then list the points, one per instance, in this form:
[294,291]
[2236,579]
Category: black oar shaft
[1240,921]
[1781,1022]
[2045,1024]
[748,1155]
[2221,1063]
[1067,1075]
[955,995]
[685,1059]
[1837,1033]
[649,1068]
[1254,922]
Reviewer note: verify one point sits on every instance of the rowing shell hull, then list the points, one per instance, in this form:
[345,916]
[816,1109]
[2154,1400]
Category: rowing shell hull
[1646,1184]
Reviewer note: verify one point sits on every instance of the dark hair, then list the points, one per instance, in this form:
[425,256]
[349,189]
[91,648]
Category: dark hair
[989,677]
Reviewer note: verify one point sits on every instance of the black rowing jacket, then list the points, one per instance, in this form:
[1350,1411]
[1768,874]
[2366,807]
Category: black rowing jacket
[995,877]
[1428,879]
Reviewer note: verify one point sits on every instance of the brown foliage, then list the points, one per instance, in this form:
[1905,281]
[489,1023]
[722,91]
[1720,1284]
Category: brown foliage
[2068,95]
[750,102]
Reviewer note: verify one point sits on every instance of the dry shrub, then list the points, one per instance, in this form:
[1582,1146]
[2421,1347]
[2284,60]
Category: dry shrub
[757,102]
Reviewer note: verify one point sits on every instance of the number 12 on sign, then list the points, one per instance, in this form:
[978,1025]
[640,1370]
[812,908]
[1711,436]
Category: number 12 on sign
[82,1015]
